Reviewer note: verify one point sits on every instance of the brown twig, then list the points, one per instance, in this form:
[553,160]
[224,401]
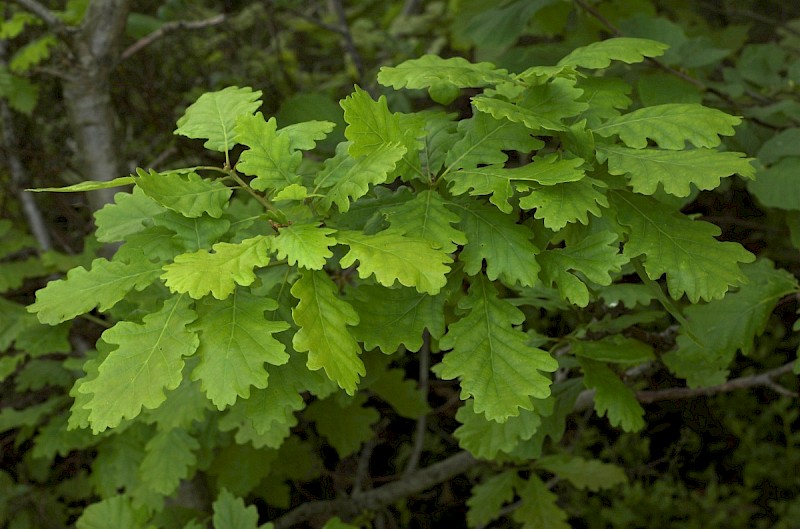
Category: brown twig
[170,27]
[422,422]
[44,13]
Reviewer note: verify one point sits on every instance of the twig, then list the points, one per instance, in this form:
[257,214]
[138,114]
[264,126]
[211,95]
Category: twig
[378,498]
[350,46]
[45,14]
[422,421]
[169,27]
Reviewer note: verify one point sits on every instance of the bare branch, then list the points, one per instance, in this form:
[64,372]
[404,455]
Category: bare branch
[170,27]
[350,46]
[422,421]
[45,14]
[381,497]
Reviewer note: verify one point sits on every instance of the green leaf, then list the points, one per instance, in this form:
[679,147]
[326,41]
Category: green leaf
[305,135]
[392,257]
[218,273]
[346,424]
[213,116]
[488,498]
[102,286]
[675,170]
[606,97]
[235,343]
[485,439]
[495,180]
[344,178]
[596,257]
[188,194]
[583,474]
[720,328]
[193,234]
[617,349]
[125,216]
[371,126]
[304,245]
[440,137]
[782,145]
[32,54]
[685,250]
[777,186]
[230,513]
[426,217]
[441,76]
[169,456]
[540,108]
[392,386]
[391,317]
[270,157]
[116,512]
[539,507]
[323,319]
[89,185]
[612,396]
[600,54]
[148,361]
[484,140]
[566,203]
[491,357]
[671,126]
[494,237]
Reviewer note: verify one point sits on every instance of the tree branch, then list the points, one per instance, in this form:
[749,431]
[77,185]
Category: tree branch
[350,46]
[422,421]
[381,497]
[45,14]
[170,27]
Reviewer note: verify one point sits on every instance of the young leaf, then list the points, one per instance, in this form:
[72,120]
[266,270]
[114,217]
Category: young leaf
[615,349]
[323,319]
[193,234]
[583,474]
[148,361]
[599,55]
[484,140]
[440,137]
[612,396]
[494,237]
[235,343]
[371,126]
[596,257]
[88,185]
[489,497]
[270,157]
[305,135]
[218,273]
[495,180]
[671,126]
[485,439]
[426,217]
[345,424]
[102,286]
[391,317]
[442,77]
[188,194]
[540,108]
[304,245]
[675,170]
[562,204]
[685,250]
[115,511]
[230,513]
[392,257]
[213,116]
[728,325]
[491,357]
[344,178]
[392,386]
[169,456]
[776,186]
[539,507]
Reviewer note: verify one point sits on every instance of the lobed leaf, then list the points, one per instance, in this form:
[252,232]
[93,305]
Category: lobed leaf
[391,257]
[670,126]
[567,203]
[539,507]
[491,357]
[323,319]
[169,456]
[485,439]
[213,116]
[236,342]
[218,273]
[230,513]
[147,361]
[599,55]
[304,245]
[488,498]
[425,216]
[188,194]
[583,474]
[612,397]
[484,140]
[345,424]
[270,156]
[102,286]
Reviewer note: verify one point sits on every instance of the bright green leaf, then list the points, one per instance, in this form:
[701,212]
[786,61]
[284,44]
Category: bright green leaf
[600,54]
[426,217]
[616,349]
[491,356]
[169,456]
[89,185]
[304,245]
[148,361]
[213,116]
[488,498]
[188,194]
[779,186]
[539,508]
[323,319]
[116,512]
[612,396]
[485,439]
[270,157]
[583,474]
[125,216]
[230,513]
[218,273]
[562,204]
[483,140]
[235,343]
